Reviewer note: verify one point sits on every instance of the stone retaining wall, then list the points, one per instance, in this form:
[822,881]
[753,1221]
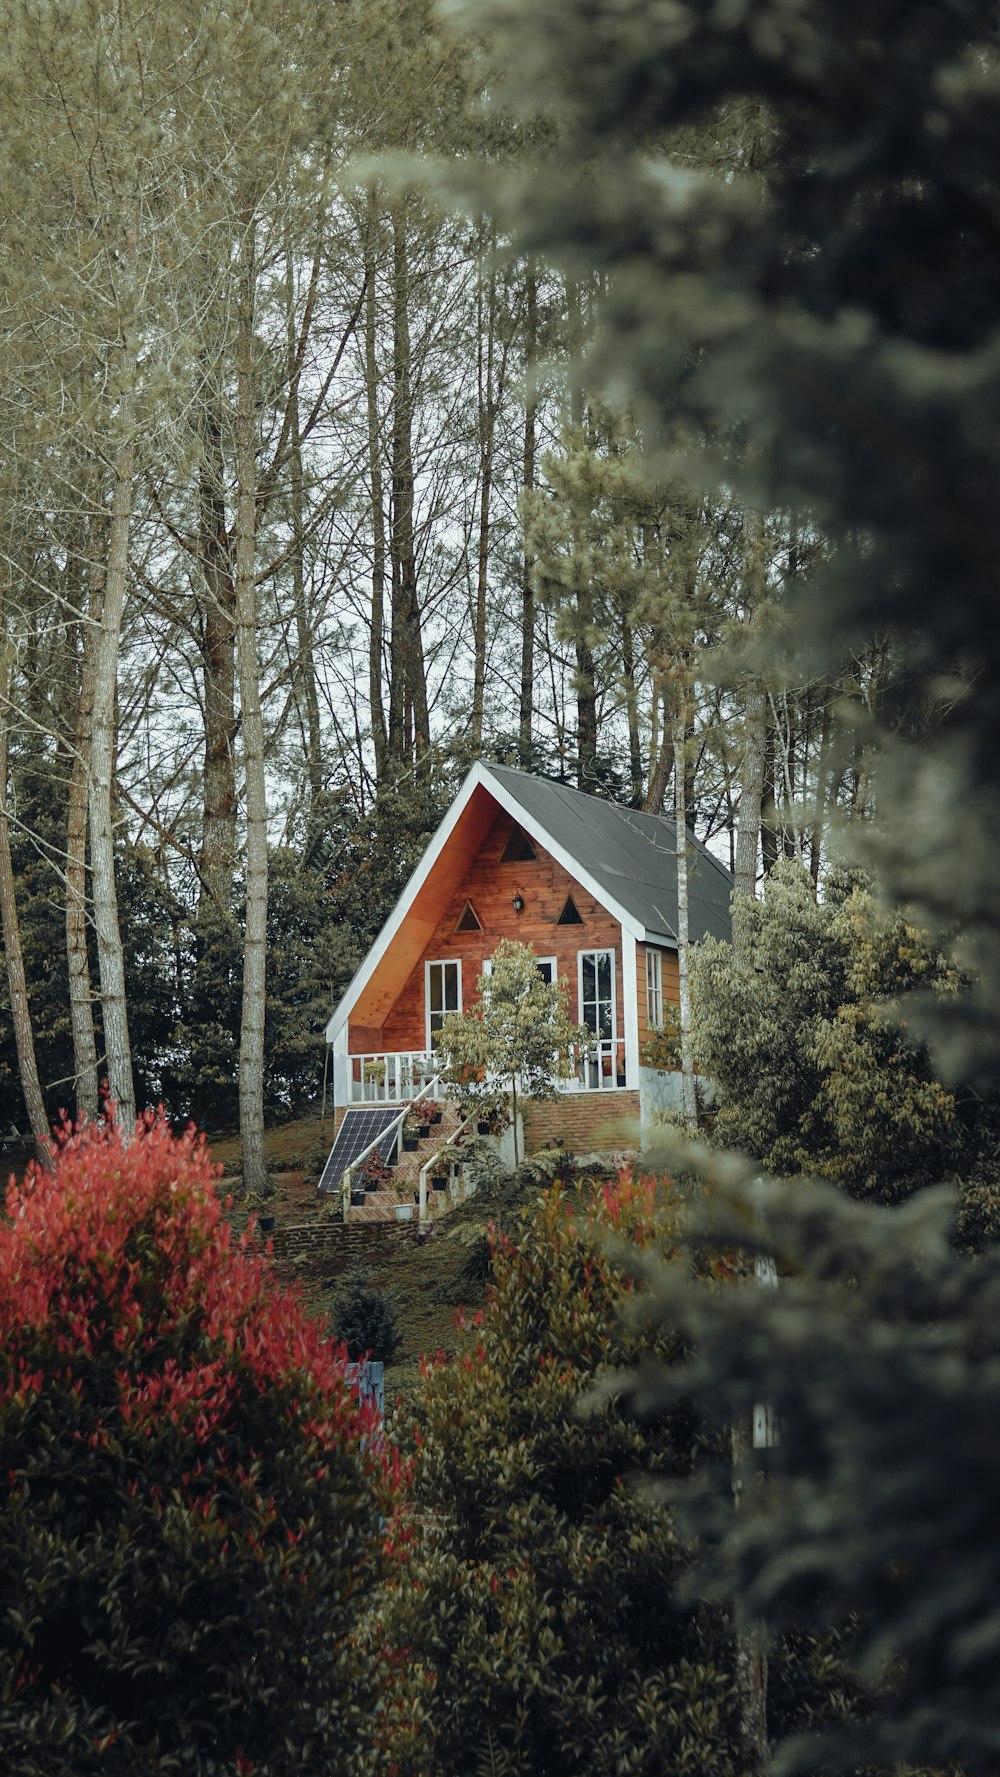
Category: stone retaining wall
[334,1247]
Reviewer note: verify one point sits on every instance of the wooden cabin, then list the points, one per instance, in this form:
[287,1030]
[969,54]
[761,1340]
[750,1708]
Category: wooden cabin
[592,887]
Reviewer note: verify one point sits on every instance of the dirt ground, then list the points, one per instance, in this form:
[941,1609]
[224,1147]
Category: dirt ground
[425,1278]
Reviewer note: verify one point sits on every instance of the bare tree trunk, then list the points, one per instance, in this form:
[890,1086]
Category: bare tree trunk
[106,643]
[376,705]
[768,812]
[661,754]
[17,985]
[526,709]
[217,648]
[754,726]
[251,1089]
[632,711]
[409,723]
[81,1010]
[486,332]
[751,792]
[303,628]
[822,791]
[750,1663]
[689,1089]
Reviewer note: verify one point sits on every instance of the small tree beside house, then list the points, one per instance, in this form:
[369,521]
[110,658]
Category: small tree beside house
[517,1040]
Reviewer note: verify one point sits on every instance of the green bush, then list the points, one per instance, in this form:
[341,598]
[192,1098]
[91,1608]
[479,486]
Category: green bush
[537,1609]
[190,1527]
[364,1320]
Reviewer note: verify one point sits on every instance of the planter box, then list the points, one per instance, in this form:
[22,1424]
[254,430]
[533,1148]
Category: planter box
[424,1131]
[440,1183]
[266,1224]
[404,1212]
[410,1144]
[484,1128]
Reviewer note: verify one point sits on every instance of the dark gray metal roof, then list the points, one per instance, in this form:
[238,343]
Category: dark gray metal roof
[632,856]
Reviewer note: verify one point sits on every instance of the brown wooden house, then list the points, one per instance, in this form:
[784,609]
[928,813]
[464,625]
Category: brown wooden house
[592,887]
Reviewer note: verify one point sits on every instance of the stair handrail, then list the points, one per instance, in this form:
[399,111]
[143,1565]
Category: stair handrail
[425,1169]
[390,1129]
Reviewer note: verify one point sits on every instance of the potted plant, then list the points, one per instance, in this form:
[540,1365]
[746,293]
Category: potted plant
[411,1135]
[444,1160]
[374,1174]
[426,1112]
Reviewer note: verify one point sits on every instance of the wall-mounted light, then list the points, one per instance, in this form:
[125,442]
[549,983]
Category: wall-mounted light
[518,903]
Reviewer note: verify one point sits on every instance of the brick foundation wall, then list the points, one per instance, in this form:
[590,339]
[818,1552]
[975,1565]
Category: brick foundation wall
[588,1122]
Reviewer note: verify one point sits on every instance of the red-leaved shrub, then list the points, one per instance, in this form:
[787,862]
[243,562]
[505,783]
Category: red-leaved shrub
[192,1520]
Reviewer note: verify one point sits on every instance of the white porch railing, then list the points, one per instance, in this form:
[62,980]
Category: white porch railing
[393,1078]
[399,1078]
[600,1067]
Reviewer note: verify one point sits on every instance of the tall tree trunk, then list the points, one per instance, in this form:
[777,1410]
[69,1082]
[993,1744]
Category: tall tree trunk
[486,333]
[768,811]
[527,698]
[632,711]
[751,791]
[661,754]
[823,773]
[81,1009]
[689,1091]
[375,636]
[586,692]
[17,985]
[409,723]
[755,724]
[251,1089]
[586,717]
[303,628]
[217,647]
[106,643]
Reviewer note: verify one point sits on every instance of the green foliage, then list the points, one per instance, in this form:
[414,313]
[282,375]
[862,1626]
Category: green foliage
[538,1610]
[189,1526]
[517,1034]
[310,960]
[662,1048]
[364,1320]
[878,1353]
[786,212]
[801,1028]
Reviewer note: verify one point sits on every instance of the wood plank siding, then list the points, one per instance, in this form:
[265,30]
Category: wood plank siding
[490,886]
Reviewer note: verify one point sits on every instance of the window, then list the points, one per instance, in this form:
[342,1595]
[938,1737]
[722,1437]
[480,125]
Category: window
[443,982]
[654,990]
[569,915]
[518,849]
[597,992]
[470,920]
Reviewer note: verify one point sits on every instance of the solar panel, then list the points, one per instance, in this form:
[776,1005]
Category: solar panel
[357,1131]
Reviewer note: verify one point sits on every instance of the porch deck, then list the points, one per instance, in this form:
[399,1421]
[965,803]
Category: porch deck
[400,1077]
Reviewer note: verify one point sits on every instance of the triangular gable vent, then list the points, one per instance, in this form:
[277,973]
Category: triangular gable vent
[470,920]
[518,849]
[570,915]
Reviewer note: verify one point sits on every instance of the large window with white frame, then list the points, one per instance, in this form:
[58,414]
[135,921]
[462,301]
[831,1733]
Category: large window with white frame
[597,992]
[654,989]
[443,994]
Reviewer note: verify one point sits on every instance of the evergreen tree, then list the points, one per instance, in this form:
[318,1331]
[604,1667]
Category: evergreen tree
[801,1029]
[538,1615]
